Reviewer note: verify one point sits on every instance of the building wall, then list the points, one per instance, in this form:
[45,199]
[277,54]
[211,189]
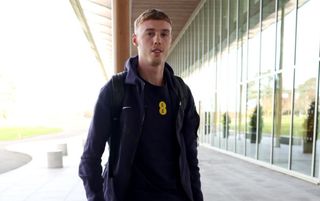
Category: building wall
[253,68]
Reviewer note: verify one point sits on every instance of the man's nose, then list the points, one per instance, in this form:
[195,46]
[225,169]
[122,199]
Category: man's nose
[157,38]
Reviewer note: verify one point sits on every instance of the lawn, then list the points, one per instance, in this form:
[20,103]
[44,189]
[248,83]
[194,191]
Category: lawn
[16,133]
[298,126]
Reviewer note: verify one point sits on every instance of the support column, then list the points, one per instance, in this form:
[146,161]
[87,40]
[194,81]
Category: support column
[121,33]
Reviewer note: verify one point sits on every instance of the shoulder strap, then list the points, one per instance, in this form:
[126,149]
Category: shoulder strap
[117,94]
[116,107]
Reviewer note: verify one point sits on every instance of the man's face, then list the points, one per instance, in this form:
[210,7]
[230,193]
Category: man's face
[153,39]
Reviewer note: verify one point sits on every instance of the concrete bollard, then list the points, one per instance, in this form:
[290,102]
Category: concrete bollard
[63,148]
[54,159]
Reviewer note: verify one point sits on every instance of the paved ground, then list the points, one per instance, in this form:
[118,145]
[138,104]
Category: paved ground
[224,178]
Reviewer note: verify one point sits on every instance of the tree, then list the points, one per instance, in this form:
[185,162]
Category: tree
[225,123]
[309,126]
[253,124]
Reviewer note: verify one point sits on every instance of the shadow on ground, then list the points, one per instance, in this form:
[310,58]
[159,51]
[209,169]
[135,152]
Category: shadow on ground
[10,160]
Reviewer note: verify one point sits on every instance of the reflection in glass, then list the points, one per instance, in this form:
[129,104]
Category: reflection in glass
[215,137]
[252,119]
[285,36]
[241,136]
[282,118]
[317,156]
[211,27]
[217,26]
[233,116]
[232,77]
[224,28]
[266,96]
[268,37]
[242,40]
[232,98]
[224,83]
[305,86]
[254,39]
[233,24]
[304,110]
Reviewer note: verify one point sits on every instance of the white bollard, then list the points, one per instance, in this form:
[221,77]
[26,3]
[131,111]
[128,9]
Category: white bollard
[54,159]
[63,148]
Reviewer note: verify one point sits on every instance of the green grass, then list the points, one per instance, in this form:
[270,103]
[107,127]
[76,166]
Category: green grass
[298,128]
[16,133]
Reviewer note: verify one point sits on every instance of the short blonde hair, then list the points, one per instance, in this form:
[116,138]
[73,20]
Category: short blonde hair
[151,14]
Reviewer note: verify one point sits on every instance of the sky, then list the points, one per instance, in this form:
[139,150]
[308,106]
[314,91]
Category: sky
[45,55]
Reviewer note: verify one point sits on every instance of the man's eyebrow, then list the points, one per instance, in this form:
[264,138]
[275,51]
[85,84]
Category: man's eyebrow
[150,29]
[163,30]
[166,30]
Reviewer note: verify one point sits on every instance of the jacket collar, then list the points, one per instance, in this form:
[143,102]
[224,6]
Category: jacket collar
[132,72]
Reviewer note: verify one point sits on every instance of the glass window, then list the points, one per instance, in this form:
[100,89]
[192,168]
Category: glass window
[304,111]
[231,96]
[254,39]
[211,27]
[196,42]
[223,91]
[242,40]
[243,18]
[205,31]
[282,118]
[215,137]
[285,34]
[217,24]
[241,136]
[201,129]
[265,124]
[233,23]
[184,55]
[268,37]
[252,118]
[200,38]
[317,158]
[188,51]
[305,85]
[193,47]
[225,25]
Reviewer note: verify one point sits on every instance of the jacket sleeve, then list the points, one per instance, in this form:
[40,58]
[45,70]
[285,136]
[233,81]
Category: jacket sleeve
[191,124]
[90,169]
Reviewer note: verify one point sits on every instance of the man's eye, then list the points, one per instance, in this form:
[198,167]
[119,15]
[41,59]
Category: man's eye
[164,34]
[150,34]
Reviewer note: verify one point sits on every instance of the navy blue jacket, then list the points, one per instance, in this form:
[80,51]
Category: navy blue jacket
[104,187]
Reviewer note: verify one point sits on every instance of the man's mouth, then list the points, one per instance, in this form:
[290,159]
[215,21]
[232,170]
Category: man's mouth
[157,50]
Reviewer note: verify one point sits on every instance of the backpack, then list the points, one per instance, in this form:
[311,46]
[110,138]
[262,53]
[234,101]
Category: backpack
[118,91]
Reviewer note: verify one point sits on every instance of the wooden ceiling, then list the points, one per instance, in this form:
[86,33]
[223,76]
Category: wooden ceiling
[95,17]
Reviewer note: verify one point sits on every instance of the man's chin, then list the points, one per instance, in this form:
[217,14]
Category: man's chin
[156,62]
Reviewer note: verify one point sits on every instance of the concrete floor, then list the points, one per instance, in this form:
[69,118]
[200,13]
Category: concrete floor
[224,178]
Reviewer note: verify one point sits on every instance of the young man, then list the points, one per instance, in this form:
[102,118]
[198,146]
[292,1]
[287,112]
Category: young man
[156,148]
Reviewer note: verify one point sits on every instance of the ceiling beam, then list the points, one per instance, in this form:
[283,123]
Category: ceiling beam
[79,13]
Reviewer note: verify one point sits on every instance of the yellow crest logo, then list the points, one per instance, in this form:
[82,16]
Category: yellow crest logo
[162,108]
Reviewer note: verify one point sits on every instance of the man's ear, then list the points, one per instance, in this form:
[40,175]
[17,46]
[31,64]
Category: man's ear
[134,40]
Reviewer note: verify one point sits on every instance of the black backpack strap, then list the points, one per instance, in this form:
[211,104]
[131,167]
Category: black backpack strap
[117,94]
[116,107]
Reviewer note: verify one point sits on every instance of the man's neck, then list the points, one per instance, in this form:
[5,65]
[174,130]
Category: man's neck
[152,74]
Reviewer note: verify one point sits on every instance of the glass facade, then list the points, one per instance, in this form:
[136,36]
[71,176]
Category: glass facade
[253,68]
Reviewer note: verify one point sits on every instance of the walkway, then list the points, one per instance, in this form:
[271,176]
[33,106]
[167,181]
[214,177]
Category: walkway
[224,178]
